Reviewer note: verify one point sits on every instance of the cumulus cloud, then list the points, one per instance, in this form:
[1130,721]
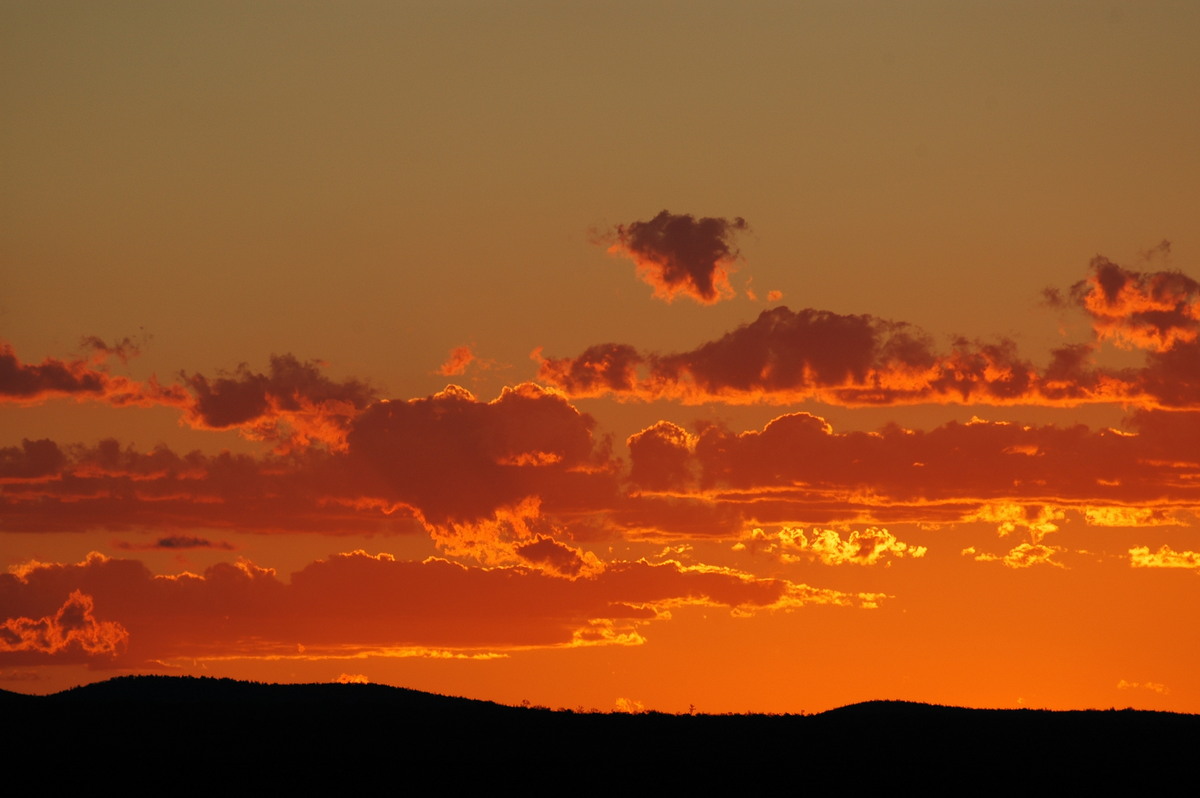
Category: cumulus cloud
[678,254]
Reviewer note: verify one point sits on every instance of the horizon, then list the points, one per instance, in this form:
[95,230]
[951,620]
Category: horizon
[759,358]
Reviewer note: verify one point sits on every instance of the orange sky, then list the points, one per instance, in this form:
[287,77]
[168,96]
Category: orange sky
[757,357]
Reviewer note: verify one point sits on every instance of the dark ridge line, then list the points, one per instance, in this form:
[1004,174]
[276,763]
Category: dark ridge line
[193,689]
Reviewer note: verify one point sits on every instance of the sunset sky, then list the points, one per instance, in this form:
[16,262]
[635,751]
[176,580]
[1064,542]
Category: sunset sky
[752,357]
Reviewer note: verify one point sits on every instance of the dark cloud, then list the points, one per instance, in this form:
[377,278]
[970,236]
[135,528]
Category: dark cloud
[357,602]
[1147,310]
[293,402]
[176,542]
[451,457]
[680,254]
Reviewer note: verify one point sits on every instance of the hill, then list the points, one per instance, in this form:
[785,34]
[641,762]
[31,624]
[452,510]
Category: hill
[150,728]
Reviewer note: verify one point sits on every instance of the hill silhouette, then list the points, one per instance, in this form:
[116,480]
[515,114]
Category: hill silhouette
[265,736]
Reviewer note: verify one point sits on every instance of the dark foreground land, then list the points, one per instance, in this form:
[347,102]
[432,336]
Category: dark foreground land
[195,736]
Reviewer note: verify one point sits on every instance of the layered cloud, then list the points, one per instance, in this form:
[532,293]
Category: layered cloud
[678,254]
[797,469]
[1143,310]
[357,603]
[84,379]
[786,357]
[293,404]
[72,632]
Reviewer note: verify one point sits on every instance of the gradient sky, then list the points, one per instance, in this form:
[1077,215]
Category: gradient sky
[757,357]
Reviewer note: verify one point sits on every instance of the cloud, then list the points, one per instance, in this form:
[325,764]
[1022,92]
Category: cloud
[798,470]
[860,547]
[452,458]
[1154,687]
[293,403]
[1023,555]
[171,542]
[678,254]
[73,632]
[456,364]
[357,603]
[786,357]
[1144,310]
[1165,557]
[81,379]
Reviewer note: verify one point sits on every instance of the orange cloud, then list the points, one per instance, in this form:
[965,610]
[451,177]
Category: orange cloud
[861,547]
[1147,310]
[786,357]
[356,602]
[1165,557]
[293,403]
[73,631]
[679,254]
[456,364]
[1023,555]
[798,470]
[451,457]
[81,379]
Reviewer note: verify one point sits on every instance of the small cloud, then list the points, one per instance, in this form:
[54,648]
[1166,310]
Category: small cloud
[176,542]
[1165,557]
[1154,687]
[456,364]
[680,254]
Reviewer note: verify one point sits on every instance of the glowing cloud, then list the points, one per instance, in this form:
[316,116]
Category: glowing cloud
[1165,557]
[460,358]
[865,547]
[73,629]
[1147,310]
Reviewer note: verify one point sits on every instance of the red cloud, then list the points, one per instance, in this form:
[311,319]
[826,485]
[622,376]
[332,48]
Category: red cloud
[453,458]
[72,632]
[679,254]
[81,379]
[1148,310]
[456,364]
[798,470]
[356,602]
[293,402]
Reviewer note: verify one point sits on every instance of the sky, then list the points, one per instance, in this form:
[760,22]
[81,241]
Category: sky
[738,357]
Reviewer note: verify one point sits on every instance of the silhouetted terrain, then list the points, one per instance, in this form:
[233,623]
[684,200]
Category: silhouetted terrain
[201,735]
